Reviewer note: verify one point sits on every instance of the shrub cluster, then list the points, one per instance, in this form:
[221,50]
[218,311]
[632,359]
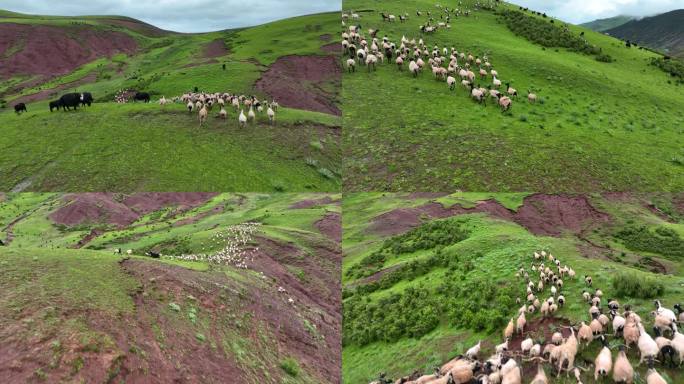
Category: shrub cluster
[414,269]
[548,34]
[672,66]
[428,236]
[604,58]
[477,303]
[662,240]
[631,284]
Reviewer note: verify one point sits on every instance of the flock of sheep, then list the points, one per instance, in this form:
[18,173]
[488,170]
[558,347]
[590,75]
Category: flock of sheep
[446,63]
[544,279]
[200,102]
[203,103]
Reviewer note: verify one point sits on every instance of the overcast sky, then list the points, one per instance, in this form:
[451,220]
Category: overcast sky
[180,15]
[581,11]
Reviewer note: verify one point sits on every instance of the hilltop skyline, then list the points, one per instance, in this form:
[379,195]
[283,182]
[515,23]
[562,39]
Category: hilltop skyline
[190,16]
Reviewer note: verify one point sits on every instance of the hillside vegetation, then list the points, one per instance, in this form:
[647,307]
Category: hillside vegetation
[606,120]
[246,289]
[601,25]
[163,148]
[447,276]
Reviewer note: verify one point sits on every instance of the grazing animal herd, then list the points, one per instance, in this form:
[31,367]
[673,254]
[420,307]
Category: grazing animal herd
[205,102]
[543,285]
[446,64]
[200,102]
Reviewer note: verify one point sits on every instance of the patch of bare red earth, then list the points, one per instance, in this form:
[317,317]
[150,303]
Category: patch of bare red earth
[548,215]
[304,82]
[139,356]
[216,48]
[53,51]
[319,291]
[121,210]
[331,226]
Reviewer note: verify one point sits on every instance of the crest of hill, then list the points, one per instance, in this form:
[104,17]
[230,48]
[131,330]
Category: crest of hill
[664,32]
[115,21]
[601,25]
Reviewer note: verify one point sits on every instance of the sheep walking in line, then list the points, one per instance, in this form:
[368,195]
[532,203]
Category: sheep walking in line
[351,65]
[271,115]
[562,352]
[242,119]
[203,113]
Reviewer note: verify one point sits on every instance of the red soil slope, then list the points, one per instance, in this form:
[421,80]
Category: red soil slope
[52,51]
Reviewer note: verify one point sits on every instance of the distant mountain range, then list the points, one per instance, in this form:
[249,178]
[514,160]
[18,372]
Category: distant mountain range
[664,32]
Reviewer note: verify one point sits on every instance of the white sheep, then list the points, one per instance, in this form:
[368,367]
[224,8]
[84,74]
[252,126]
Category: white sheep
[648,348]
[622,369]
[604,361]
[271,114]
[351,65]
[451,81]
[473,351]
[242,119]
[203,115]
[526,345]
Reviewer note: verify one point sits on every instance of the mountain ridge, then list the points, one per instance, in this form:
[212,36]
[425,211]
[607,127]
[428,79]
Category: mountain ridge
[664,32]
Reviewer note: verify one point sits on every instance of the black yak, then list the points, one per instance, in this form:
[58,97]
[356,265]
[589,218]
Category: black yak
[56,104]
[21,107]
[86,99]
[70,100]
[142,96]
[153,254]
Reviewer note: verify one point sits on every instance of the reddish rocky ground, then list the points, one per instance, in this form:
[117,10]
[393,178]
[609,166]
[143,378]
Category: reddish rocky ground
[48,51]
[549,215]
[304,82]
[121,210]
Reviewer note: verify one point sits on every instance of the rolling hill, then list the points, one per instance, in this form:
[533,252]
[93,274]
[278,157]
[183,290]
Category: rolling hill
[605,118]
[246,289]
[425,276]
[664,32]
[127,147]
[601,25]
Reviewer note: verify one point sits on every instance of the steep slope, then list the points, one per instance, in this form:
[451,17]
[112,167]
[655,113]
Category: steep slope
[588,130]
[601,25]
[265,310]
[43,57]
[664,32]
[445,278]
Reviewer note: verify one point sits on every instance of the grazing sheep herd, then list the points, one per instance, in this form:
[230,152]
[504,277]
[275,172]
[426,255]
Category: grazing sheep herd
[446,64]
[203,103]
[543,285]
[200,102]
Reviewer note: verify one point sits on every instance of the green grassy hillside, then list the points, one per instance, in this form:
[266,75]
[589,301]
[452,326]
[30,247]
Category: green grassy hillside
[596,126]
[601,25]
[298,153]
[426,277]
[268,318]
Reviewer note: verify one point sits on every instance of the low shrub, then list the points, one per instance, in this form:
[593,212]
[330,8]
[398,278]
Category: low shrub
[290,366]
[637,285]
